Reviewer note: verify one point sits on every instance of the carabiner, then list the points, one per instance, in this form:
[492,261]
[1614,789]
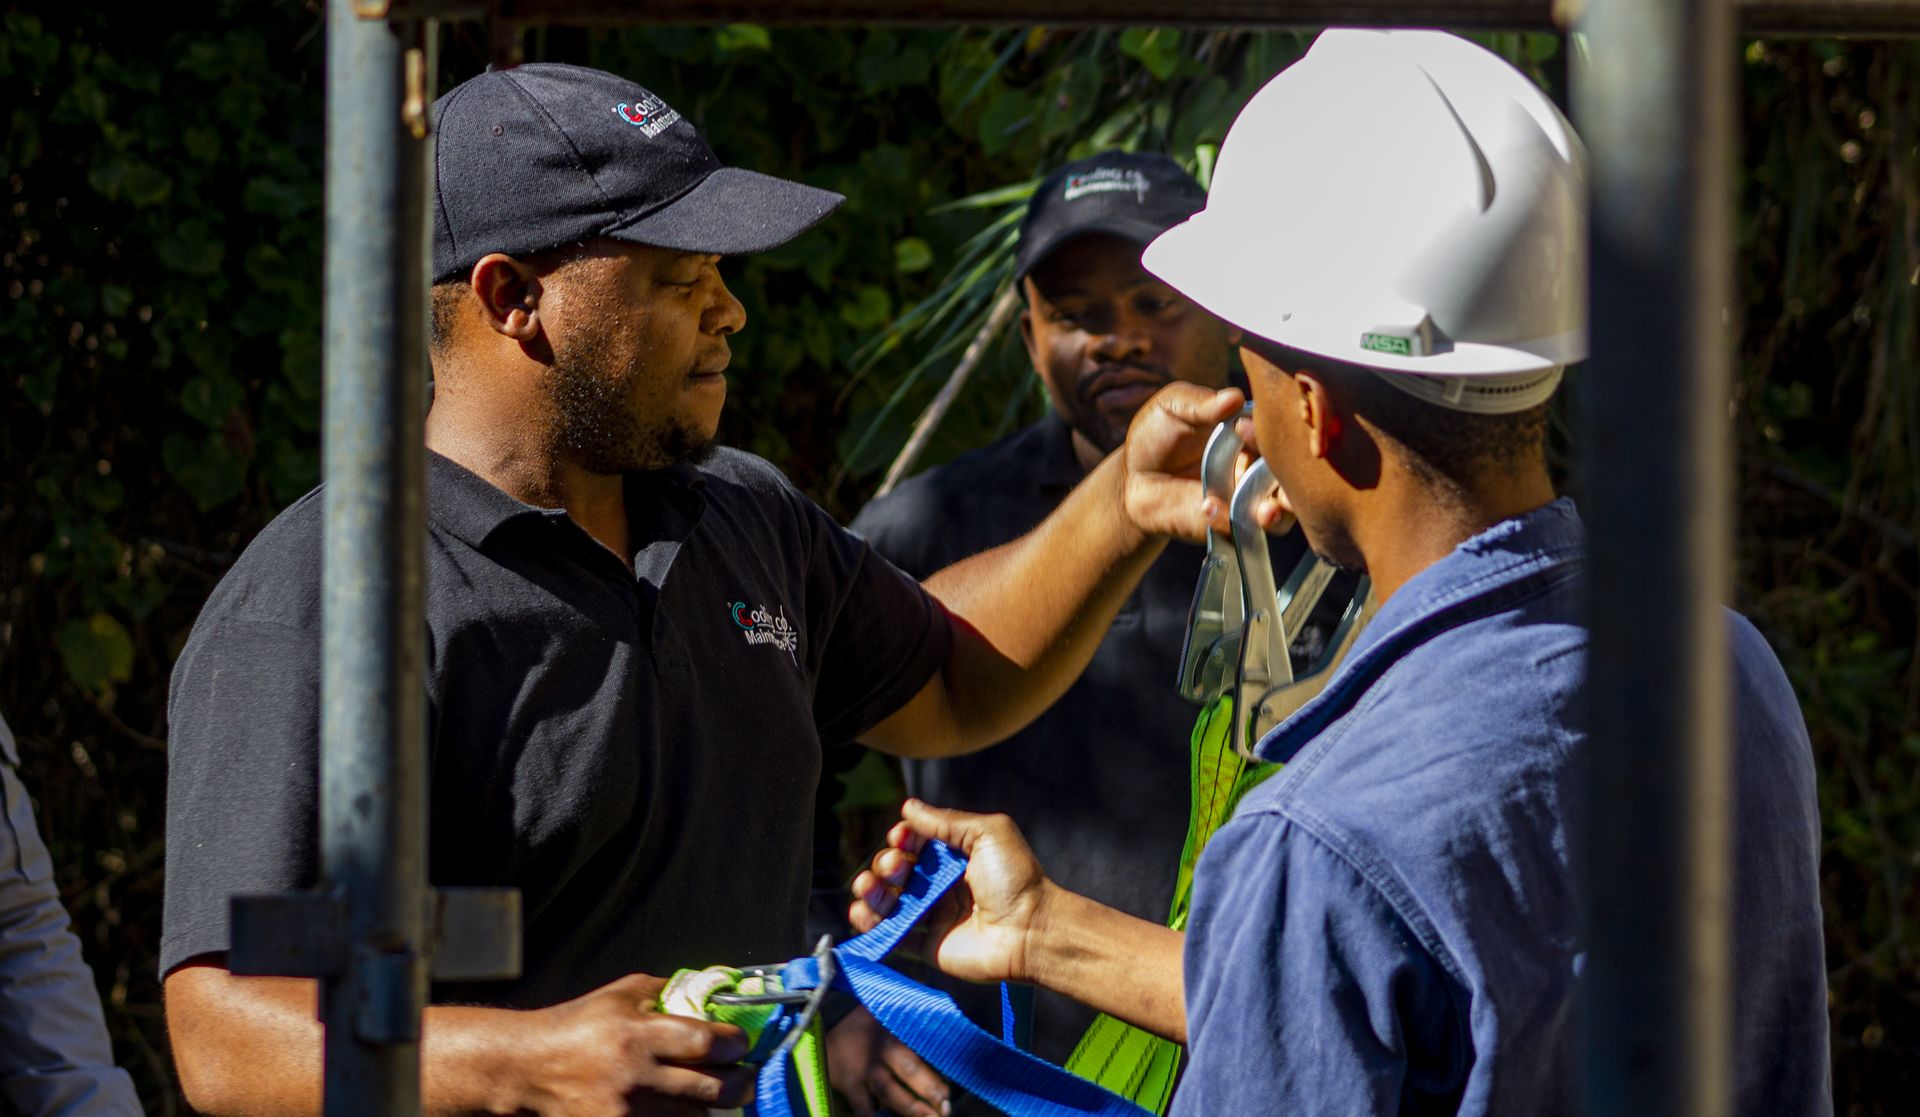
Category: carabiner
[1211,646]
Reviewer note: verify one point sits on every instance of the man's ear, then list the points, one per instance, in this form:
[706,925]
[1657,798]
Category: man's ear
[1318,414]
[509,294]
[1026,326]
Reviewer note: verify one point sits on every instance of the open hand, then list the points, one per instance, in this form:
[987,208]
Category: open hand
[981,929]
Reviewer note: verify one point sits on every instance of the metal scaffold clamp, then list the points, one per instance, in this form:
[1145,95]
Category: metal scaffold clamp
[475,935]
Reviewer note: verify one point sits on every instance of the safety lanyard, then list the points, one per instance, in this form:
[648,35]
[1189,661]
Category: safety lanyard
[925,1020]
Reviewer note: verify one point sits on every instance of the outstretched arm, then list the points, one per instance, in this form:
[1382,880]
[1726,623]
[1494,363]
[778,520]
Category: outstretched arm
[1029,615]
[251,1046]
[1007,921]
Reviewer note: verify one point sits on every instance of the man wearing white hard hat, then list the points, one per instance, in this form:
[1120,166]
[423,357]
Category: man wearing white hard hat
[1391,923]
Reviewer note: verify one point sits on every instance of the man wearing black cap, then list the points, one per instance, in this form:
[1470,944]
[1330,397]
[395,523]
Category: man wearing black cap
[636,642]
[1097,783]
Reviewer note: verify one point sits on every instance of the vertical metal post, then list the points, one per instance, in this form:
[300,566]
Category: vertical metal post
[371,930]
[373,711]
[1654,98]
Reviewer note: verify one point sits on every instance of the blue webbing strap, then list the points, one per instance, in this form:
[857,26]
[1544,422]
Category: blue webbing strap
[927,1020]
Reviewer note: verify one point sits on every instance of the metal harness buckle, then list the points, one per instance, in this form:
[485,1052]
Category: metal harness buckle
[809,999]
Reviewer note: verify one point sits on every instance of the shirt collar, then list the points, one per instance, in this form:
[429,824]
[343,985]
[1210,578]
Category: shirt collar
[1481,576]
[472,508]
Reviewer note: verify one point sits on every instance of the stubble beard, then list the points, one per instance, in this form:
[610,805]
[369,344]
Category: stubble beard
[596,423]
[1105,430]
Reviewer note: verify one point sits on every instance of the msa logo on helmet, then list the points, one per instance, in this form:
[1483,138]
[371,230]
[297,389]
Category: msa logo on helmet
[649,114]
[1387,343]
[1101,180]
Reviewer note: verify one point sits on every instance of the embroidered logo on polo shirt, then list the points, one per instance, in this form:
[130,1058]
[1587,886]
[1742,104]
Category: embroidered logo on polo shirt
[762,627]
[649,114]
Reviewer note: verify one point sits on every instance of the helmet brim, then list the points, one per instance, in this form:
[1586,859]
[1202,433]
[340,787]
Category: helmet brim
[1198,258]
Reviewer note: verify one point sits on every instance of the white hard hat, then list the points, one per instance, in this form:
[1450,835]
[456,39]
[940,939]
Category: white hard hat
[1405,201]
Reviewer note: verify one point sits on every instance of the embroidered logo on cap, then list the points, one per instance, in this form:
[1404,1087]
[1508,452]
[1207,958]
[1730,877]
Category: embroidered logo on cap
[1101,180]
[760,626]
[649,114]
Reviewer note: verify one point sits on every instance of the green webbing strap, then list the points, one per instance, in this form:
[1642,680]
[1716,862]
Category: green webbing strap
[1137,1064]
[688,993]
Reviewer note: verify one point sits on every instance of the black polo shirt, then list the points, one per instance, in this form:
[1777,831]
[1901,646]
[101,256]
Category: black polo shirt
[634,751]
[1098,783]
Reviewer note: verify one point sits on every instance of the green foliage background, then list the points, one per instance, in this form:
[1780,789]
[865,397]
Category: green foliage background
[159,253]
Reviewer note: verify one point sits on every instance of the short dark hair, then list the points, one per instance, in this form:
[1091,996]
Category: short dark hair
[442,301]
[1442,446]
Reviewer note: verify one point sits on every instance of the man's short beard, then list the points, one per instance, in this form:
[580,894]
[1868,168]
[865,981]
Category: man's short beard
[594,423]
[1106,432]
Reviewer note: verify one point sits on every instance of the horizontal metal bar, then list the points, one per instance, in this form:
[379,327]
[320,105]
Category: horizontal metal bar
[1870,18]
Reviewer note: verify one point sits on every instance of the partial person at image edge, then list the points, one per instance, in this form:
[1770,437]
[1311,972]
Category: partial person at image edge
[55,1058]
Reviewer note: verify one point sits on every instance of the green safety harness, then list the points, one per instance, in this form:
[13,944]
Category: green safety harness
[1236,664]
[754,999]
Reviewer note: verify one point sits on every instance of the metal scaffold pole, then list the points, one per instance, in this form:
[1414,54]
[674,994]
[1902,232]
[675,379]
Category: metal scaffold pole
[1654,96]
[372,930]
[373,697]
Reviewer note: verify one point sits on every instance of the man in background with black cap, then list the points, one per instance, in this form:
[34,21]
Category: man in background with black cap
[636,645]
[1097,783]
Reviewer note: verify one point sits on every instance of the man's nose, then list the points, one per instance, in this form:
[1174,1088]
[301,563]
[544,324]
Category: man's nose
[1127,337]
[725,315]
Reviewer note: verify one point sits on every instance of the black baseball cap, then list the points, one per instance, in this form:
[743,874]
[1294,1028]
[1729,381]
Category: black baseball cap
[1136,196]
[545,154]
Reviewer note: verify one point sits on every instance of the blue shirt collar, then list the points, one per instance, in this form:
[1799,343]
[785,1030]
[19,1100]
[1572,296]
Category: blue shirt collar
[1481,576]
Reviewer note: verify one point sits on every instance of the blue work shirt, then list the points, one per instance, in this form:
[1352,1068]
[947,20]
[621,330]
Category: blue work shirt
[55,1059]
[1390,924]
